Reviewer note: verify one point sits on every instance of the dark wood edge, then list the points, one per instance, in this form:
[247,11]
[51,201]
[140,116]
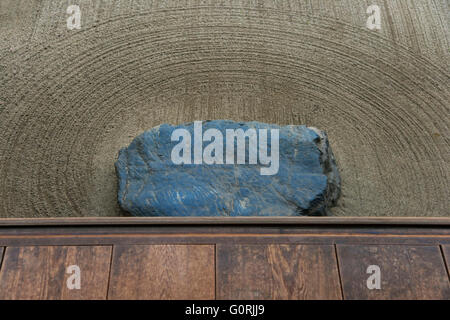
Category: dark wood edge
[154,221]
[182,239]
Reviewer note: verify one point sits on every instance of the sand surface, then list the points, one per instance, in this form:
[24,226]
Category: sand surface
[69,99]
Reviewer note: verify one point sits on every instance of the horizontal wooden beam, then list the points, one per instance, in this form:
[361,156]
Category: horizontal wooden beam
[299,221]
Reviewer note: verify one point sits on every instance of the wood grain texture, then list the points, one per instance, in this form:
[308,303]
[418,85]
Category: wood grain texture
[277,272]
[1,257]
[407,272]
[399,222]
[162,272]
[206,239]
[446,252]
[40,272]
[142,231]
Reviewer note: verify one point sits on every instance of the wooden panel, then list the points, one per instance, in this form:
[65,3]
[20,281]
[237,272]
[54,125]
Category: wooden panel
[149,234]
[277,272]
[40,272]
[406,272]
[446,251]
[162,272]
[297,221]
[1,256]
[183,238]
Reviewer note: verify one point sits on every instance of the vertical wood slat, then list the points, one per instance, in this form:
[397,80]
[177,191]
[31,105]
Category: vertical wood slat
[277,272]
[406,272]
[162,272]
[40,272]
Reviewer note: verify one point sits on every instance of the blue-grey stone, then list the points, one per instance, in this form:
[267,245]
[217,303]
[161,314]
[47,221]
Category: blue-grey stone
[151,184]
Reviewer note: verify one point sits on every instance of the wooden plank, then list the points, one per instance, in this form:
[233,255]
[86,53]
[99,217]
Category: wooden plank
[207,234]
[41,272]
[277,272]
[406,272]
[446,252]
[104,221]
[188,238]
[1,256]
[162,272]
[311,231]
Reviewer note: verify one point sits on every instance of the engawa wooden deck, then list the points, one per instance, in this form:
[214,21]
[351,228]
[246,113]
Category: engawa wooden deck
[225,258]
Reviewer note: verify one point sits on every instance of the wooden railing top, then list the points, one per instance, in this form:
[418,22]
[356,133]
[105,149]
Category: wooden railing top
[127,221]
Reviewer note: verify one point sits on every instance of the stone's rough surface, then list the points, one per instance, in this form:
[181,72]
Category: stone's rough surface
[150,184]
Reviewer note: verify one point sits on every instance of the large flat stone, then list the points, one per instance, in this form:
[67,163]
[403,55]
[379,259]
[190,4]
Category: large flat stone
[151,184]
